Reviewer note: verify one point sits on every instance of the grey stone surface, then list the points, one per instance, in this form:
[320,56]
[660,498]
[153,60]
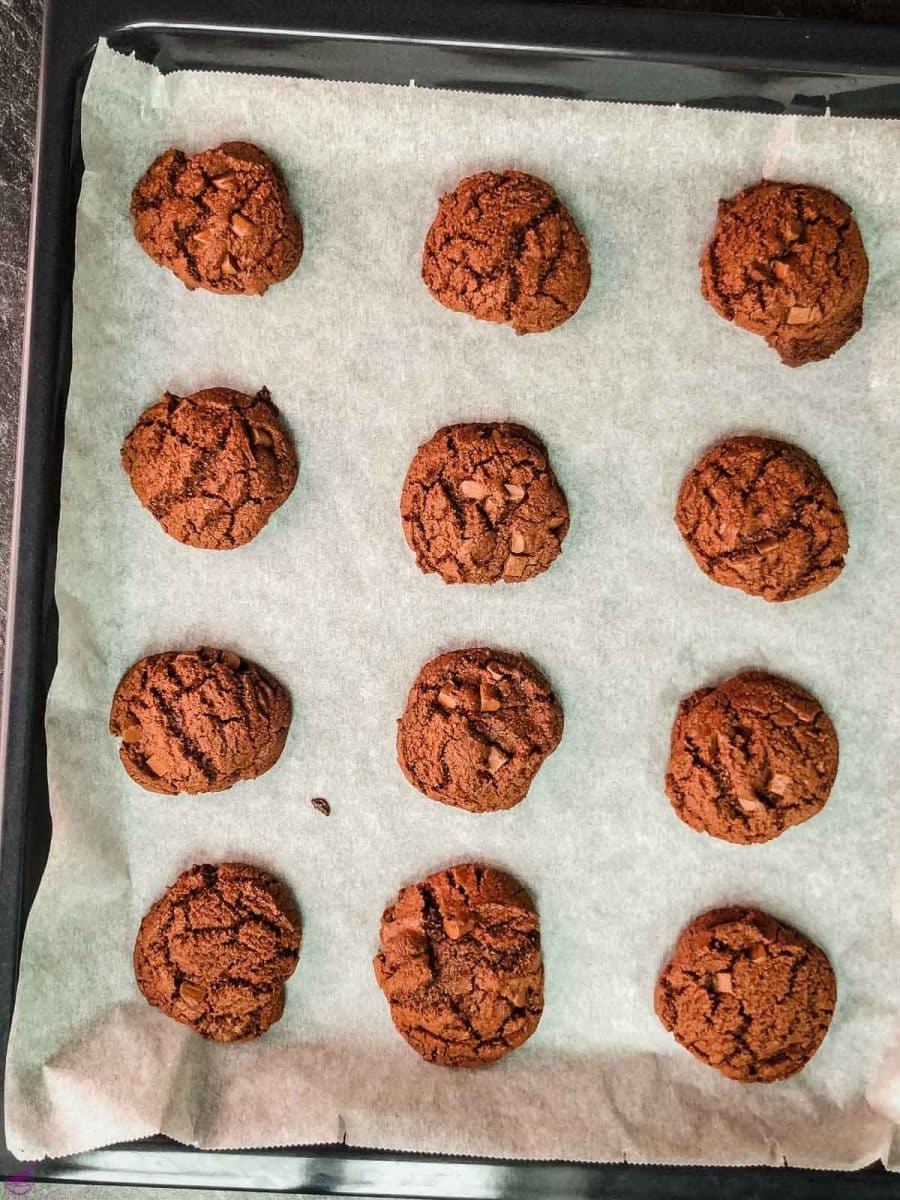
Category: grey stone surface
[20,25]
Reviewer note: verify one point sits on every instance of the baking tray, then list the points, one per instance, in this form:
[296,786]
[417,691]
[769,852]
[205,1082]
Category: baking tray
[544,48]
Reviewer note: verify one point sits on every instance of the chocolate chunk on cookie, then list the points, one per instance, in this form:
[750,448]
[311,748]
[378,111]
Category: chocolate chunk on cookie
[750,758]
[215,951]
[760,515]
[220,220]
[786,261]
[460,965]
[747,995]
[480,503]
[198,721]
[212,467]
[504,248]
[477,727]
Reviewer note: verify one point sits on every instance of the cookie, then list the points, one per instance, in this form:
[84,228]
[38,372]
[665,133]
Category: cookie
[504,248]
[460,965]
[750,758]
[212,467]
[215,951]
[198,721]
[220,220]
[786,261]
[759,515]
[477,726]
[747,995]
[480,503]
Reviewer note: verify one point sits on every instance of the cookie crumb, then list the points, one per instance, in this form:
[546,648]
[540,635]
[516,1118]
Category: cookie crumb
[320,804]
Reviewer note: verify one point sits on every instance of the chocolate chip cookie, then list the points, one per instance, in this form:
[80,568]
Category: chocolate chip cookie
[759,515]
[504,248]
[212,467]
[480,504]
[460,965]
[215,951]
[750,758]
[477,727]
[747,995]
[198,721]
[220,220]
[787,262]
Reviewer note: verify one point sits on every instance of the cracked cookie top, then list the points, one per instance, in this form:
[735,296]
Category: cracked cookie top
[504,248]
[198,721]
[215,951]
[478,725]
[460,965]
[212,467]
[786,261]
[759,515]
[480,503]
[220,220]
[750,758]
[747,995]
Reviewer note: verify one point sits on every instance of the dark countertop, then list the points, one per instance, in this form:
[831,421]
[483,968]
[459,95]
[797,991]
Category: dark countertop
[20,22]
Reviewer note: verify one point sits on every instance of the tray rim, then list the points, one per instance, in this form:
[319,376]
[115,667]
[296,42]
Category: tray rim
[71,29]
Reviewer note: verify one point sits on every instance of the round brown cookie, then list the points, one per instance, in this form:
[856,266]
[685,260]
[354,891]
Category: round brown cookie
[212,467]
[477,726]
[787,261]
[760,515]
[198,721]
[220,220]
[504,248]
[750,758]
[460,965]
[215,951]
[747,995]
[480,503]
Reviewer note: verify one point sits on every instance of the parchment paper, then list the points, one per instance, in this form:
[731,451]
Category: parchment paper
[365,366]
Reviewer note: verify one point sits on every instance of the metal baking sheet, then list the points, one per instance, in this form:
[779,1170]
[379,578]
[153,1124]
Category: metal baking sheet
[574,50]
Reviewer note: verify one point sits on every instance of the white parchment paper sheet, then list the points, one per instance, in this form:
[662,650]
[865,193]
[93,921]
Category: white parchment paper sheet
[365,366]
